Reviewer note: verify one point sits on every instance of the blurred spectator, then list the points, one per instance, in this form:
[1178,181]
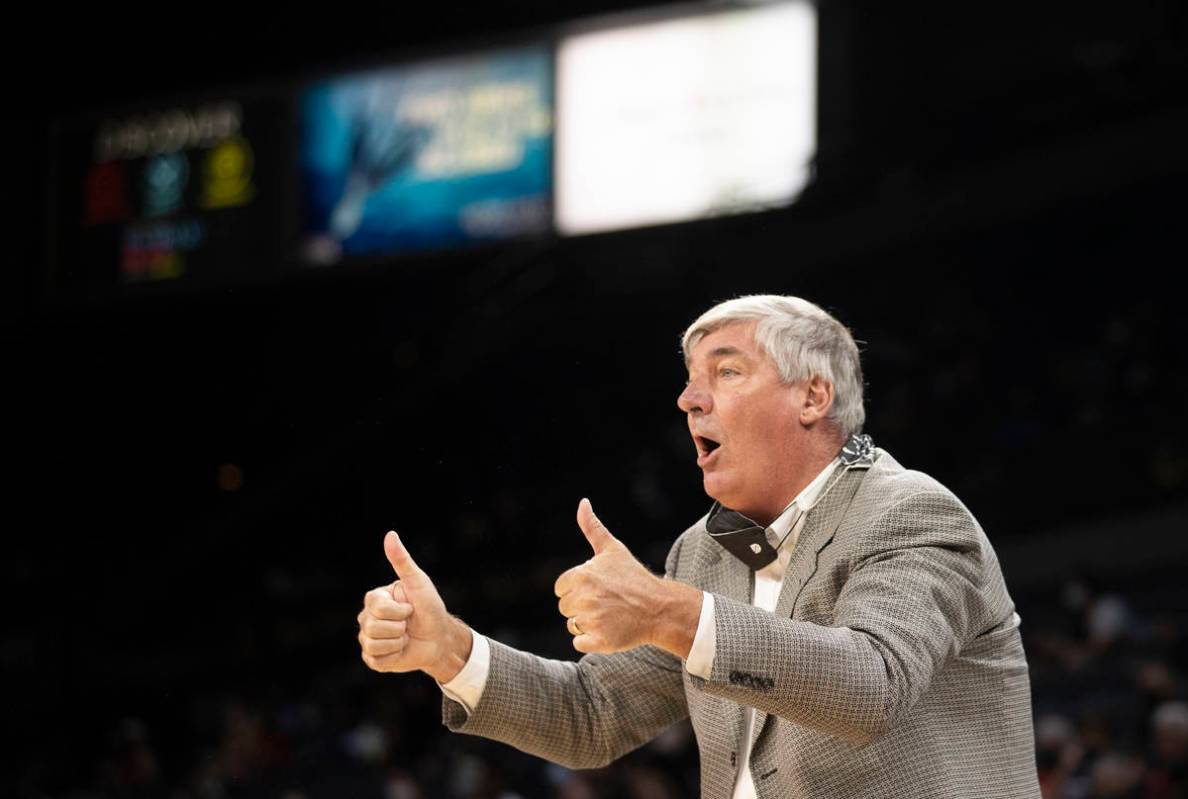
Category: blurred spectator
[1117,776]
[1169,771]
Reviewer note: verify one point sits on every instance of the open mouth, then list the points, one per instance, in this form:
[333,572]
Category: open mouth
[705,446]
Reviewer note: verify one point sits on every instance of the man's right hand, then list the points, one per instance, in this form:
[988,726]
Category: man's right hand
[405,626]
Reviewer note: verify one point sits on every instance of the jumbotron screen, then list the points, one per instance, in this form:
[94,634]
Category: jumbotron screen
[428,155]
[685,118]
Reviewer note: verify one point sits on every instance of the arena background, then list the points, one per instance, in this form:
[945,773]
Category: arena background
[198,479]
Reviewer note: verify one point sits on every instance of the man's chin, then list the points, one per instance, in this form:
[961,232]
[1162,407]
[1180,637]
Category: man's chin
[728,495]
[716,490]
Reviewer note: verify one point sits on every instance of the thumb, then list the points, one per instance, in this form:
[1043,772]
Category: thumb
[595,531]
[406,568]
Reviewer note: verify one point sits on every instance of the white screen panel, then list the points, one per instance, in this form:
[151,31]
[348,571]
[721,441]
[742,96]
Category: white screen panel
[685,118]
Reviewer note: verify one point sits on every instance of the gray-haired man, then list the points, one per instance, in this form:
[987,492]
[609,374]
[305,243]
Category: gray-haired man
[835,626]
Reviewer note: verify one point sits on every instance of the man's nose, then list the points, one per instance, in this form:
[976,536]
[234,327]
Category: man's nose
[694,399]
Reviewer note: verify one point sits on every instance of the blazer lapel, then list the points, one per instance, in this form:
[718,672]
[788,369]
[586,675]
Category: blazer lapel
[820,525]
[822,522]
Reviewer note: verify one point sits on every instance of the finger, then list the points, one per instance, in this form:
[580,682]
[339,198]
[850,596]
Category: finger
[381,594]
[595,531]
[406,568]
[568,605]
[587,643]
[565,582]
[383,646]
[384,662]
[379,628]
[397,592]
[388,610]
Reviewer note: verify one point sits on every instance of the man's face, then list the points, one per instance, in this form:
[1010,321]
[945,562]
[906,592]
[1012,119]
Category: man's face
[744,422]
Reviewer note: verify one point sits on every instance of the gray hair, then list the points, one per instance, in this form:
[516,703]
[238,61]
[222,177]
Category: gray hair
[802,340]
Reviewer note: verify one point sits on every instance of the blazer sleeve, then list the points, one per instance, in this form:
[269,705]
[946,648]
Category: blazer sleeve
[582,714]
[916,593]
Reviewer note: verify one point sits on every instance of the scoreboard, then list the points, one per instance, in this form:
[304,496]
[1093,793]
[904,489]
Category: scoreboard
[190,192]
[598,127]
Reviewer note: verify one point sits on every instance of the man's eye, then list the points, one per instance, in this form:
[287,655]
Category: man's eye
[726,371]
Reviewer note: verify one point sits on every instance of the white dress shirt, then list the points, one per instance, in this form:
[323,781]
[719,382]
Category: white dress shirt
[781,534]
[467,686]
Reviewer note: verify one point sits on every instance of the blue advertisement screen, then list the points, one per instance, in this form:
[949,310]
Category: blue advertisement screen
[428,156]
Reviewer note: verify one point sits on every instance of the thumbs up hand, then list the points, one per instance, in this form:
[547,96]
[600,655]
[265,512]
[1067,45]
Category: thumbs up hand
[611,602]
[405,626]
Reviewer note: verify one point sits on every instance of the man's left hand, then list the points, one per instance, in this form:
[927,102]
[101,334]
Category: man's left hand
[611,600]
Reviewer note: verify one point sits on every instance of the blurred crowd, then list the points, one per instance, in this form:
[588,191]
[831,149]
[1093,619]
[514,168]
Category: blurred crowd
[1108,689]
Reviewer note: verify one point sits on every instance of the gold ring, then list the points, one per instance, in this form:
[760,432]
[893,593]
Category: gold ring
[575,626]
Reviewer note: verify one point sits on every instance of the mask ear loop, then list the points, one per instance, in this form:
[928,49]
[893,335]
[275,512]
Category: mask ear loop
[858,451]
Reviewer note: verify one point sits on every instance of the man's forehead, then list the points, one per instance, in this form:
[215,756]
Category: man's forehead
[736,339]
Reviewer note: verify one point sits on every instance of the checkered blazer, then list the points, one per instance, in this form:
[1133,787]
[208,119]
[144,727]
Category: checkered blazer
[892,667]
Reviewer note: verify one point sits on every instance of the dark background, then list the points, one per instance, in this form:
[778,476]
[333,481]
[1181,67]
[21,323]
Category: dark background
[200,478]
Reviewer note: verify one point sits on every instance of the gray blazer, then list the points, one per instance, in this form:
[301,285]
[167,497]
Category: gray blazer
[891,668]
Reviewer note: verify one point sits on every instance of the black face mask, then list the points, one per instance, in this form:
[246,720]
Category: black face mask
[747,541]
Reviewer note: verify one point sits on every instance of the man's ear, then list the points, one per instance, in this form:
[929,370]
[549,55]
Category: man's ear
[818,399]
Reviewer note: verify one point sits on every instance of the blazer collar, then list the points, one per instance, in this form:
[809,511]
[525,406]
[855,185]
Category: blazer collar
[730,577]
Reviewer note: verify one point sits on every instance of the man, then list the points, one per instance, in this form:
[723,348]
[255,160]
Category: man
[836,626]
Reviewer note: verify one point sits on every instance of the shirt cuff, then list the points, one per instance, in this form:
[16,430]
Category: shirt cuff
[700,662]
[467,686]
